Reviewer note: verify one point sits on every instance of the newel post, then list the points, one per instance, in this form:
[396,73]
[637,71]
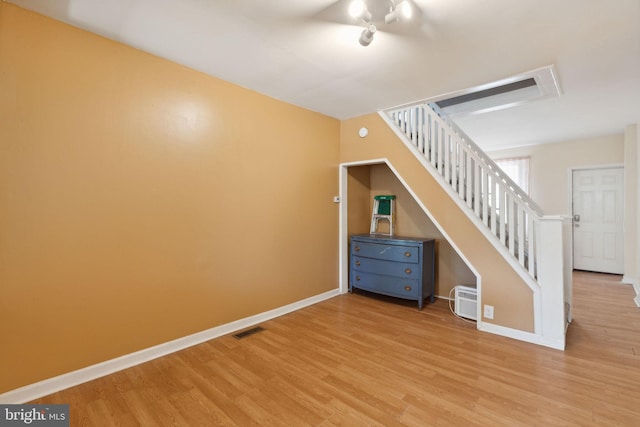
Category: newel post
[555,265]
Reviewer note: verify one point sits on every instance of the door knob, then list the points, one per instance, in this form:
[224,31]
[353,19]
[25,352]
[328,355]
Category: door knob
[576,218]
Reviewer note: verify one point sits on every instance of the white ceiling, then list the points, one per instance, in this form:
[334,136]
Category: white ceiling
[306,52]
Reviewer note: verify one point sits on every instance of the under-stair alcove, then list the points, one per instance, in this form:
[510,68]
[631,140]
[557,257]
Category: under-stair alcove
[366,181]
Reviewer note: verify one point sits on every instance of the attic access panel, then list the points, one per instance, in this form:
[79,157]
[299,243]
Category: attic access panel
[527,87]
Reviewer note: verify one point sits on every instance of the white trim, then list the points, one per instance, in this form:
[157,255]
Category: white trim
[636,287]
[343,231]
[521,335]
[366,162]
[43,388]
[554,259]
[343,227]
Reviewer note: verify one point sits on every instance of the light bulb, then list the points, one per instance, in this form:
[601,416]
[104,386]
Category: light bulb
[400,12]
[358,10]
[404,8]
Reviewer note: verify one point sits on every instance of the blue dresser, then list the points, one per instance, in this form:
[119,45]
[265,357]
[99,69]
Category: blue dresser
[402,267]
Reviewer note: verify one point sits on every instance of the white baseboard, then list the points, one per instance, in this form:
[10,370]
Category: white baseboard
[636,287]
[521,335]
[43,388]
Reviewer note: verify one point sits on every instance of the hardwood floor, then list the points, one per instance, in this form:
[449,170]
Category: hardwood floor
[361,360]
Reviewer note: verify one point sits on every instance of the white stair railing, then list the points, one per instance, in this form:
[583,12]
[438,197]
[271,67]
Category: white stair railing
[506,211]
[537,246]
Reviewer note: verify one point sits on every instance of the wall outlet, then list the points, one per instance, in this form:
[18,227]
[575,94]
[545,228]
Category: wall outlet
[488,311]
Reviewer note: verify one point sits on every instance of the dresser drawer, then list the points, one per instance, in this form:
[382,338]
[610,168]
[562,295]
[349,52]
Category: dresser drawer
[392,286]
[384,251]
[402,267]
[389,268]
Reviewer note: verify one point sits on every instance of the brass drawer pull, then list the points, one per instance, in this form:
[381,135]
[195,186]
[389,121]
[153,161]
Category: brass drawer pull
[407,254]
[407,270]
[407,288]
[357,249]
[358,263]
[358,278]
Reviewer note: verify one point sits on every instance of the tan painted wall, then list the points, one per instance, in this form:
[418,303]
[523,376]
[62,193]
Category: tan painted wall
[501,286]
[412,221]
[141,201]
[359,204]
[549,167]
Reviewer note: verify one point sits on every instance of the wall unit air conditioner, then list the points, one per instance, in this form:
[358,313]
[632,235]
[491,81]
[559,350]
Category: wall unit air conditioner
[466,302]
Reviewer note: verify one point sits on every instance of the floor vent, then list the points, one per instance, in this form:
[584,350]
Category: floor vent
[248,332]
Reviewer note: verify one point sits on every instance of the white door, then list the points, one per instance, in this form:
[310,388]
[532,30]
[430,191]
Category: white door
[597,220]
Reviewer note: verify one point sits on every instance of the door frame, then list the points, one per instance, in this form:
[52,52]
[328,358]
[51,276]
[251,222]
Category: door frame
[570,172]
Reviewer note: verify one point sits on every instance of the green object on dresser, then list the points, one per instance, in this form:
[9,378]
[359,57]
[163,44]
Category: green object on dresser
[383,209]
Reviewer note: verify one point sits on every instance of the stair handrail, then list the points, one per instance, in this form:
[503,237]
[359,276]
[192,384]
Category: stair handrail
[511,184]
[445,150]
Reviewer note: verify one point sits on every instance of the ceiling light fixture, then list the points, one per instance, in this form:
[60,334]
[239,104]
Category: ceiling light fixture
[366,37]
[400,12]
[391,10]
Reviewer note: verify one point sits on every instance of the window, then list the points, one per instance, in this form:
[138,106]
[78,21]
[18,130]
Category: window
[516,168]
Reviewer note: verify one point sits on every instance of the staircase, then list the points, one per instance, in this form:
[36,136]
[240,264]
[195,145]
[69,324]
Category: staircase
[538,247]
